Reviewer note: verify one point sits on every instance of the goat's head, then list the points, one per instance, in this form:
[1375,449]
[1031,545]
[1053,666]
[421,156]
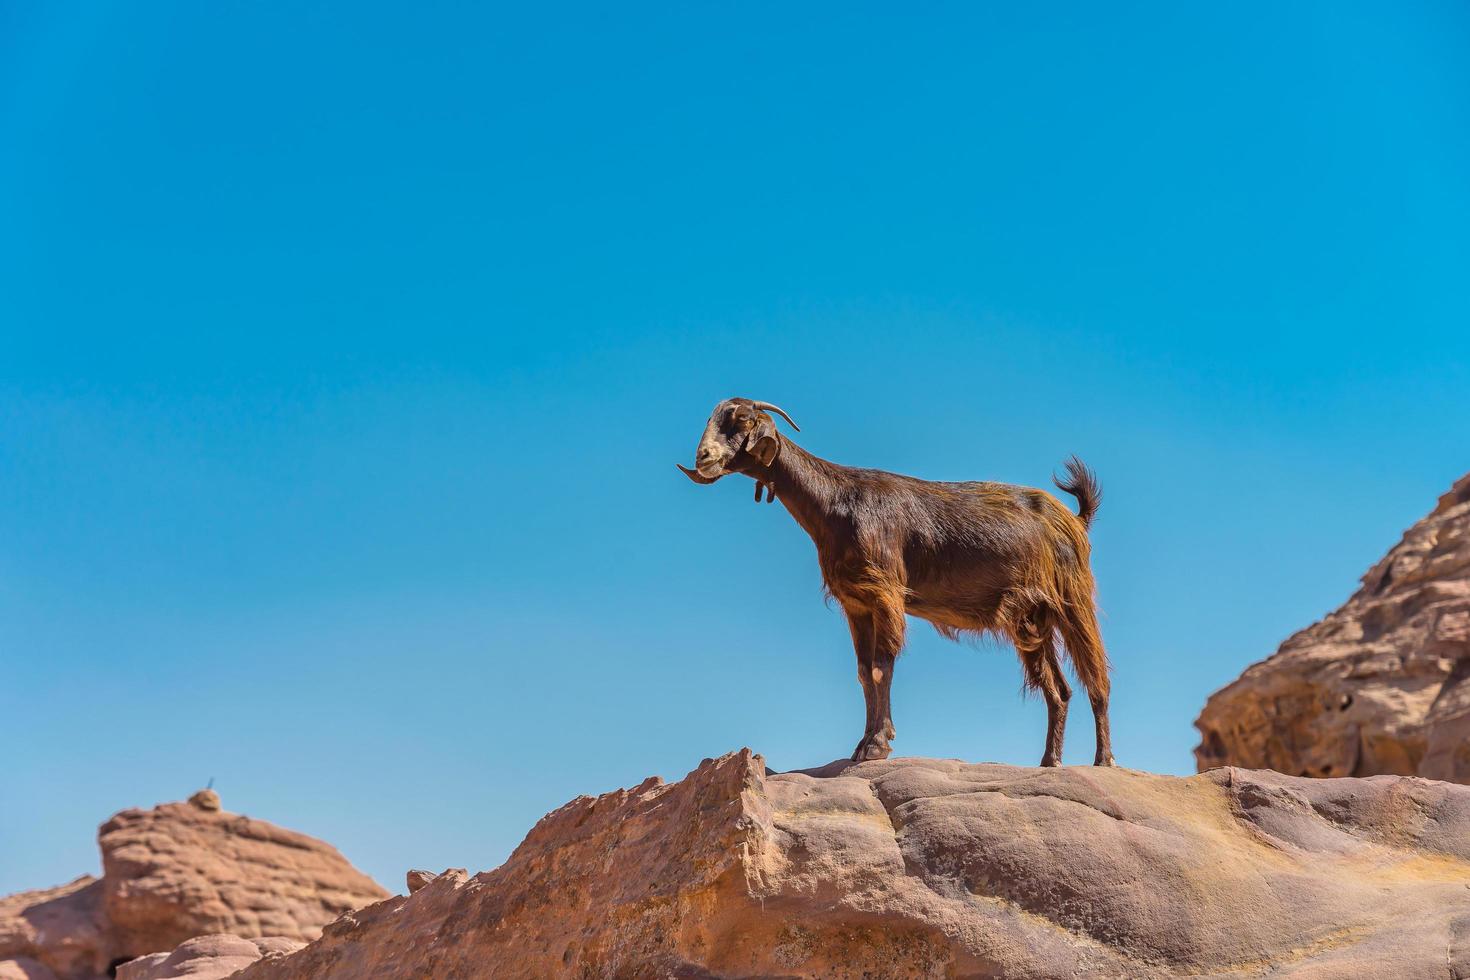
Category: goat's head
[738,434]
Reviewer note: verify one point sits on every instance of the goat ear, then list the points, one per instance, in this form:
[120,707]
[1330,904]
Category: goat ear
[761,443]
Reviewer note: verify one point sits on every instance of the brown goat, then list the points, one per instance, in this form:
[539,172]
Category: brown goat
[967,557]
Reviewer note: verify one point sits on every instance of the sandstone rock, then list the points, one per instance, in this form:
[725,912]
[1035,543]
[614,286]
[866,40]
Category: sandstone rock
[25,968]
[61,928]
[938,868]
[179,871]
[205,958]
[1382,685]
[418,879]
[206,799]
[175,872]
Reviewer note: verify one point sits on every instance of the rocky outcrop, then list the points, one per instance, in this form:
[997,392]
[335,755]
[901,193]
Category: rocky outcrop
[938,868]
[181,870]
[175,872]
[54,931]
[1382,685]
[206,958]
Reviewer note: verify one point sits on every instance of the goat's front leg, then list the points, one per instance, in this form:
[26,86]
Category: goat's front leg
[861,625]
[886,633]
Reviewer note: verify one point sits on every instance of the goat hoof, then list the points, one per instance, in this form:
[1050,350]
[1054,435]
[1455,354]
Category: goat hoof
[1050,762]
[872,747]
[1105,760]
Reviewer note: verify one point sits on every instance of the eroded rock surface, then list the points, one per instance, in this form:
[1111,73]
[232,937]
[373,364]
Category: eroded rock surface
[181,870]
[61,929]
[175,872]
[1382,685]
[205,958]
[933,868]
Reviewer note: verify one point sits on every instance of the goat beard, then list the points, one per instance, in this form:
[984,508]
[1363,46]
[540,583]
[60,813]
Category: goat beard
[696,476]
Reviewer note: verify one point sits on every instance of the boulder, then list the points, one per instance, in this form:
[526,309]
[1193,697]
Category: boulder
[62,929]
[1381,685]
[205,958]
[172,873]
[206,799]
[180,870]
[940,868]
[417,879]
[25,968]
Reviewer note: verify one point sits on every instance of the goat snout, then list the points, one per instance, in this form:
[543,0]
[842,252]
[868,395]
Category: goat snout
[709,461]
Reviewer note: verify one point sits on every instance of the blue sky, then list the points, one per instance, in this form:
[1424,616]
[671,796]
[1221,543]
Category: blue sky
[345,357]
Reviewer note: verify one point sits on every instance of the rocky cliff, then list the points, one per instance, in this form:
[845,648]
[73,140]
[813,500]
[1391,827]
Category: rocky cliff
[172,873]
[933,868]
[1382,685]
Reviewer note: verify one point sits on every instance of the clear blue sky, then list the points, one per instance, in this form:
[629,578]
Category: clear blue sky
[346,352]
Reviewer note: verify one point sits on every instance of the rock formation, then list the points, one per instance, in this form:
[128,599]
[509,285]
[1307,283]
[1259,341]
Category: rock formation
[54,932]
[205,958]
[172,873]
[1382,685]
[925,868]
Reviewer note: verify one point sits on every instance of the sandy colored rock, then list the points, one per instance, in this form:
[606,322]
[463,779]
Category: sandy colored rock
[206,799]
[1381,685]
[205,958]
[417,879]
[176,872]
[61,928]
[938,868]
[25,968]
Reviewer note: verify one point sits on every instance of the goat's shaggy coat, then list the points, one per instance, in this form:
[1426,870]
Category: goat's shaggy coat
[967,557]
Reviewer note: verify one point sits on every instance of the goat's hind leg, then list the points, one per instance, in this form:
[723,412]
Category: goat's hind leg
[1084,647]
[1044,673]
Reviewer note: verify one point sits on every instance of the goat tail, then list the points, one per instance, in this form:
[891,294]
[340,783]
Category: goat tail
[1081,483]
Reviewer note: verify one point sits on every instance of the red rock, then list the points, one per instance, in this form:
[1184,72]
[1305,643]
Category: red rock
[62,928]
[25,968]
[175,872]
[205,958]
[1381,685]
[179,871]
[910,868]
[206,799]
[418,879]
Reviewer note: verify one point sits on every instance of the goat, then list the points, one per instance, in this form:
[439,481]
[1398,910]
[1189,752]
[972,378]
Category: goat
[971,558]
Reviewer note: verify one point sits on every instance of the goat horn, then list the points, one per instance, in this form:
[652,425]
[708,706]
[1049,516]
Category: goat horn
[706,480]
[768,407]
